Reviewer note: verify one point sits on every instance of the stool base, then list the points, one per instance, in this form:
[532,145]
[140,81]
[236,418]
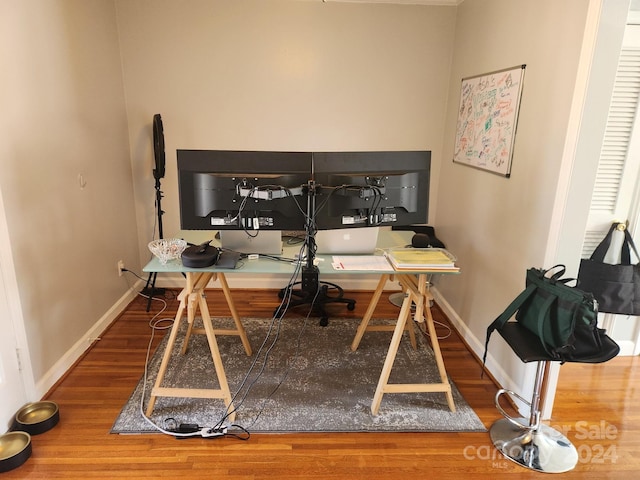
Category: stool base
[543,449]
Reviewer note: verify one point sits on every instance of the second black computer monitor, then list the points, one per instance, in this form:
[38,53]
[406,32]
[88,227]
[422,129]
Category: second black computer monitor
[363,189]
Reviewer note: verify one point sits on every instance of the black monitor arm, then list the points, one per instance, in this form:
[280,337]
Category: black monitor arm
[312,291]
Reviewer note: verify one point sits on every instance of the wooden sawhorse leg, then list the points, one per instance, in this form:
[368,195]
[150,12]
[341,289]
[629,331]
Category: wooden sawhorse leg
[364,324]
[415,290]
[200,284]
[192,298]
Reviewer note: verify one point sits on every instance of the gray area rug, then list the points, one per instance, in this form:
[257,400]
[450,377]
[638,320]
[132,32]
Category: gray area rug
[304,378]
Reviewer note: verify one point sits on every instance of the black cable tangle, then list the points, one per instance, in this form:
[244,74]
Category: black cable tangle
[288,369]
[276,319]
[376,203]
[245,199]
[240,211]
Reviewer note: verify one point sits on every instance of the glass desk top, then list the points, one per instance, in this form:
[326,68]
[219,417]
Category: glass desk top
[266,265]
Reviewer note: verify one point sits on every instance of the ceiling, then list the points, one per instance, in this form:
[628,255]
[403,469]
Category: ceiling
[405,2]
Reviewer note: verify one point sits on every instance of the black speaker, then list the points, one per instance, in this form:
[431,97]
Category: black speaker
[200,256]
[158,146]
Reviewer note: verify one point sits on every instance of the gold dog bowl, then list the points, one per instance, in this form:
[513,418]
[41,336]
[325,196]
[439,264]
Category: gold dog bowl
[37,417]
[15,449]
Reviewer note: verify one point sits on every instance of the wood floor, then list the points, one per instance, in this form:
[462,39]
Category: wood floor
[597,407]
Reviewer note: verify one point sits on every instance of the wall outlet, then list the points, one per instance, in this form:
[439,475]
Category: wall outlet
[120,267]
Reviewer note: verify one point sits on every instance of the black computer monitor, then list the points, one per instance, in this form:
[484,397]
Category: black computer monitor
[358,189]
[242,190]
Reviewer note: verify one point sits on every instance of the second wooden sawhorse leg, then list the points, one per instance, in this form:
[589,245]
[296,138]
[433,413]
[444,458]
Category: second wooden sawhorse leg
[366,327]
[415,289]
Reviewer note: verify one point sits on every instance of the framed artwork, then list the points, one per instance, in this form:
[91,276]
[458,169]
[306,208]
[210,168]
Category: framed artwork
[487,120]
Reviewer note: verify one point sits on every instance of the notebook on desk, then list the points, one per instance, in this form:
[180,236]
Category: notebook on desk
[265,242]
[347,241]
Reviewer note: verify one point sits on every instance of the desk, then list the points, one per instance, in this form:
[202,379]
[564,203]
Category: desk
[192,298]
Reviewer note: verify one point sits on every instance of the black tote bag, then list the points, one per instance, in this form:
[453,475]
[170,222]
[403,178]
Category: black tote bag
[615,287]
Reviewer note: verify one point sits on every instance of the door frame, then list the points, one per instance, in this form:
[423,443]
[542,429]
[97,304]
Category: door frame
[14,318]
[602,42]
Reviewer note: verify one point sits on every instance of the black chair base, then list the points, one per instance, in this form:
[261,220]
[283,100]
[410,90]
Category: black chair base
[317,298]
[542,449]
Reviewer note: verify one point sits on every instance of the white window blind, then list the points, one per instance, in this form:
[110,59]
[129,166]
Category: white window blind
[610,184]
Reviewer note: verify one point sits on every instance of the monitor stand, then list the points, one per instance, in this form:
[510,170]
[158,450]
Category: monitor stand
[312,291]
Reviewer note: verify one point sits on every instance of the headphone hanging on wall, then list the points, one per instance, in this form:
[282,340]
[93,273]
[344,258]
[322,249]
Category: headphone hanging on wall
[158,146]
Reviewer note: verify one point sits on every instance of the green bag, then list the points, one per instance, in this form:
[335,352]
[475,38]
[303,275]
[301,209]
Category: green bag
[564,318]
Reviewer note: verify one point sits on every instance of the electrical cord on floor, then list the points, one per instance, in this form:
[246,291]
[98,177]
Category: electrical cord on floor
[189,430]
[173,428]
[276,323]
[422,327]
[286,372]
[182,430]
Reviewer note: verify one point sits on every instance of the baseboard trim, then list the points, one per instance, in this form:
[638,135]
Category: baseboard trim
[467,335]
[62,366]
[498,374]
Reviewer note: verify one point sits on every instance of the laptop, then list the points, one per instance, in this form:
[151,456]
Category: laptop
[347,241]
[265,242]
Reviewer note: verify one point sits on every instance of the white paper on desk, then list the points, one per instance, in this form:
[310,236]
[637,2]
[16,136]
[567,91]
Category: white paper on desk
[374,263]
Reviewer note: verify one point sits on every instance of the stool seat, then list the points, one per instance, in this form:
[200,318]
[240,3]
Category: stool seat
[526,345]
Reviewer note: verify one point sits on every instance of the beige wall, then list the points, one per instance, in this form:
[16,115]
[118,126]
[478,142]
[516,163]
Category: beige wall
[63,116]
[500,227]
[280,75]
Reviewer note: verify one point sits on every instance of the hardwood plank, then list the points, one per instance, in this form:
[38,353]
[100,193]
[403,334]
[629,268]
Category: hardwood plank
[596,406]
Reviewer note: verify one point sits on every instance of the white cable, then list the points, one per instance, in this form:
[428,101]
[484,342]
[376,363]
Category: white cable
[155,324]
[435,323]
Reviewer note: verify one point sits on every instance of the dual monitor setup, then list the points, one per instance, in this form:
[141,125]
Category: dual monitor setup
[245,190]
[303,191]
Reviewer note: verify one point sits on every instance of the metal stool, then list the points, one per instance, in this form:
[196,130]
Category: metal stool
[526,441]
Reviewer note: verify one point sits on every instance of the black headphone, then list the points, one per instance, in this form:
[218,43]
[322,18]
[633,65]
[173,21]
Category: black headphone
[158,146]
[421,240]
[424,240]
